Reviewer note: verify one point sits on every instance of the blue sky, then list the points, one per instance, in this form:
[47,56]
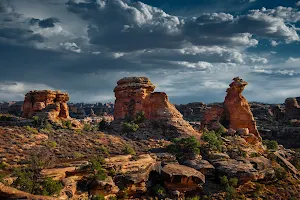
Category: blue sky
[189,49]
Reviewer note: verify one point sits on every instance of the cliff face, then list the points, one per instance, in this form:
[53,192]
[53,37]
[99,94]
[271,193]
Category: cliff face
[135,94]
[46,103]
[236,108]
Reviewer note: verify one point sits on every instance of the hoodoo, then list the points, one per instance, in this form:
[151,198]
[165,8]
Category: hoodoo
[136,94]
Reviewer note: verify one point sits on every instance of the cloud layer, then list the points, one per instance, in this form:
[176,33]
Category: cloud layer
[88,45]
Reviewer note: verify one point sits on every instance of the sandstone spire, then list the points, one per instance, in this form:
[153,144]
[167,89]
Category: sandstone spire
[236,108]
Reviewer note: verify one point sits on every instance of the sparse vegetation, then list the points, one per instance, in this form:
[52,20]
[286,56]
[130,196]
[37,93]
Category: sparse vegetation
[159,191]
[280,173]
[66,124]
[271,144]
[230,185]
[98,197]
[103,150]
[5,118]
[99,173]
[129,150]
[31,129]
[213,140]
[184,147]
[103,125]
[139,117]
[87,127]
[50,144]
[129,127]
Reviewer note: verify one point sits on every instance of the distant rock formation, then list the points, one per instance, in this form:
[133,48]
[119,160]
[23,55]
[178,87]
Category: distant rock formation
[235,113]
[292,109]
[236,108]
[49,104]
[135,94]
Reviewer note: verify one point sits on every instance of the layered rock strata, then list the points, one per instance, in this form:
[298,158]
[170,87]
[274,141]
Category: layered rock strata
[136,94]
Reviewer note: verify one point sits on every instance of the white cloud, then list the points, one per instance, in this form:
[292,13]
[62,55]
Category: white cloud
[298,3]
[274,43]
[71,47]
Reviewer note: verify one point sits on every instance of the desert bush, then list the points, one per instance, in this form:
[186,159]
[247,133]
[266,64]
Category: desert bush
[280,173]
[159,190]
[87,127]
[129,127]
[99,173]
[3,166]
[194,198]
[103,125]
[271,144]
[213,140]
[229,185]
[36,120]
[66,124]
[184,147]
[221,130]
[78,155]
[129,150]
[98,197]
[5,118]
[103,150]
[50,144]
[139,117]
[50,187]
[31,129]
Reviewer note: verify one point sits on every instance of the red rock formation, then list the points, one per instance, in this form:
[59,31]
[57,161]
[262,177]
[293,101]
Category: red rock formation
[292,109]
[46,103]
[236,108]
[135,94]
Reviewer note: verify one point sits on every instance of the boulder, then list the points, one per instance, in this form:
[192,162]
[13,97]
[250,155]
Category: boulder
[103,187]
[202,166]
[181,178]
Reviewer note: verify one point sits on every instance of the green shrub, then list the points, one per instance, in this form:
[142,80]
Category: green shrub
[50,187]
[24,181]
[87,127]
[184,147]
[158,190]
[129,127]
[50,144]
[231,193]
[139,117]
[224,180]
[99,173]
[129,150]
[233,182]
[98,197]
[271,144]
[221,130]
[280,173]
[214,141]
[78,155]
[103,150]
[3,166]
[36,120]
[5,118]
[66,124]
[103,125]
[31,129]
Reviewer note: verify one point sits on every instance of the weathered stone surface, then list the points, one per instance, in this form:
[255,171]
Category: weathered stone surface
[292,109]
[212,117]
[132,173]
[181,178]
[237,109]
[46,103]
[202,166]
[105,187]
[245,170]
[135,94]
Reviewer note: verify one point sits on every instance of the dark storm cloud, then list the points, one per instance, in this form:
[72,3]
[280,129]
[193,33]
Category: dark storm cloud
[45,23]
[86,47]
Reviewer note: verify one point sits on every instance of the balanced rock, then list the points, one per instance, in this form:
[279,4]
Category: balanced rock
[46,103]
[237,109]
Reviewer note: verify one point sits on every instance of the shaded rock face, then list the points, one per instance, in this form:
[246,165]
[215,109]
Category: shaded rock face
[136,94]
[46,103]
[237,109]
[292,109]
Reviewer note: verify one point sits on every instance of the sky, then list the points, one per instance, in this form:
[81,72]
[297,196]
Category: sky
[189,49]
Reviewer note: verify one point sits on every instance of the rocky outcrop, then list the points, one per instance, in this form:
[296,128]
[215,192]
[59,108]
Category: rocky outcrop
[237,109]
[235,112]
[49,104]
[292,109]
[181,178]
[135,95]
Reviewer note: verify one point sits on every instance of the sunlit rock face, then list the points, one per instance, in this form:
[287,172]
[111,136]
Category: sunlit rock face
[236,108]
[46,103]
[136,94]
